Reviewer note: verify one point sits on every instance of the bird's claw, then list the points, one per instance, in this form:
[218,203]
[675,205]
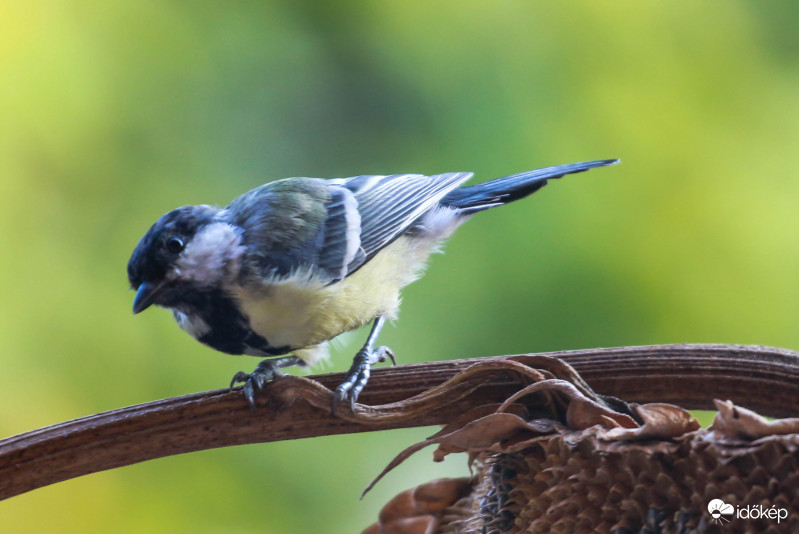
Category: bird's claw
[387,353]
[266,371]
[358,375]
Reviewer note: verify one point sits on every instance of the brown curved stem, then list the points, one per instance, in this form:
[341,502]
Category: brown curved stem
[761,378]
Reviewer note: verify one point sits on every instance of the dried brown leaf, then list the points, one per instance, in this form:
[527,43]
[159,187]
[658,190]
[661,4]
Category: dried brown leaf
[583,411]
[452,427]
[435,496]
[738,421]
[661,421]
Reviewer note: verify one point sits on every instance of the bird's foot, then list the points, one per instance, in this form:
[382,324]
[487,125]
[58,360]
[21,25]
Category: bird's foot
[266,371]
[358,375]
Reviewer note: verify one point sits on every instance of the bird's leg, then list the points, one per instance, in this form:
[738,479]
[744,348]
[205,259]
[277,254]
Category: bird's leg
[358,374]
[269,369]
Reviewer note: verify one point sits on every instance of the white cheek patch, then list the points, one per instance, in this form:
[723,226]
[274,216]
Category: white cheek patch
[192,324]
[212,256]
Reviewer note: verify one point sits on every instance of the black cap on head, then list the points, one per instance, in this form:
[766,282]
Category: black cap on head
[158,249]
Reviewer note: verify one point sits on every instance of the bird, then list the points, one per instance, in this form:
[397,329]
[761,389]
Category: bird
[288,266]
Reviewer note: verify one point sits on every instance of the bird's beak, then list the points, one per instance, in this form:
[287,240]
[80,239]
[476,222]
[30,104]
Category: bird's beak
[146,295]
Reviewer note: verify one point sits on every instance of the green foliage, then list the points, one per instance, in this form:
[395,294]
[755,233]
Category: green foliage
[113,113]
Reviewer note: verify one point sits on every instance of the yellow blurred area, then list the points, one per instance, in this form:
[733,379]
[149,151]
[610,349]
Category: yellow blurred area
[113,113]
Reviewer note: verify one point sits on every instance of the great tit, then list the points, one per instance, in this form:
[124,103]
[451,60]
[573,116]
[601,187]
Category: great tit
[292,264]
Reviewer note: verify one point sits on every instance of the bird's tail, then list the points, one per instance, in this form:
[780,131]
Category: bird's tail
[471,199]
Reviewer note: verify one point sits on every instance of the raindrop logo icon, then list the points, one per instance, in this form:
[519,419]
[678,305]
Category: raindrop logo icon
[718,509]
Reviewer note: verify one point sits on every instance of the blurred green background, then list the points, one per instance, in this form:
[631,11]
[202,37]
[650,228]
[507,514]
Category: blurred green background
[112,113]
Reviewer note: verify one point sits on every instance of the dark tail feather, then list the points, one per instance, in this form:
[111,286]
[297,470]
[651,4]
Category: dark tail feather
[478,197]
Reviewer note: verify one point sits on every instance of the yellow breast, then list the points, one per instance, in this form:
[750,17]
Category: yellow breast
[301,311]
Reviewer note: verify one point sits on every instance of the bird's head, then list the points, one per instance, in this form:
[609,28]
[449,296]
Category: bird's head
[187,251]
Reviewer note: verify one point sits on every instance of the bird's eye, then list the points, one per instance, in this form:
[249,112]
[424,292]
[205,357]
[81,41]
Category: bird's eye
[174,245]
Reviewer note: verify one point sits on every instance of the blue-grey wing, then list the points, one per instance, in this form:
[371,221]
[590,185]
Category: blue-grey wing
[366,213]
[340,239]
